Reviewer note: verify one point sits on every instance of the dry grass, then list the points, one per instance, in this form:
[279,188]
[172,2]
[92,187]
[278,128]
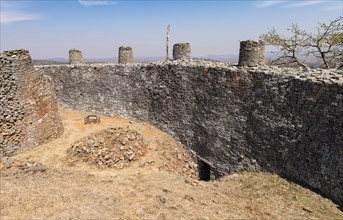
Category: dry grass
[157,190]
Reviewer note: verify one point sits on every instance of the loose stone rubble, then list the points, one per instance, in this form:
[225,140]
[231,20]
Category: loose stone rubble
[110,148]
[9,166]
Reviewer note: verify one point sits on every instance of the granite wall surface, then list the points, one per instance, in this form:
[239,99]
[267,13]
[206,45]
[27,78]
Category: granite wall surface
[273,119]
[28,105]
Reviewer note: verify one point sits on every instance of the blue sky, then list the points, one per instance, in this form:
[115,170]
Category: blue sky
[49,28]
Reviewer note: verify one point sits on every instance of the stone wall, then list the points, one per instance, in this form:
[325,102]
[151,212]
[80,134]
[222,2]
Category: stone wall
[237,118]
[75,57]
[182,51]
[125,55]
[28,107]
[251,53]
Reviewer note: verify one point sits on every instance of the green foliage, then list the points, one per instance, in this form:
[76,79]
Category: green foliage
[325,46]
[337,39]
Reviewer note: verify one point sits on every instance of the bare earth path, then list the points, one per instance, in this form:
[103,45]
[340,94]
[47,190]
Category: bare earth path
[157,186]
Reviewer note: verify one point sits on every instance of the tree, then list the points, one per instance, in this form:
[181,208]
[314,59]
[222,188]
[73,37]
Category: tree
[325,46]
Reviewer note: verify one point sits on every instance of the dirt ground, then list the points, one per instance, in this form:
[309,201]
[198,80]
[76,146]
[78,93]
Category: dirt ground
[162,184]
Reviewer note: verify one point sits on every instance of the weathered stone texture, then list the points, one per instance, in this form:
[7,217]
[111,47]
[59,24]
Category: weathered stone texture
[75,56]
[125,55]
[28,108]
[251,53]
[237,118]
[182,51]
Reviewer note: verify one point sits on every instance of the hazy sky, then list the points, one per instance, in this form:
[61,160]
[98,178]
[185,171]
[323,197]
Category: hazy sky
[49,28]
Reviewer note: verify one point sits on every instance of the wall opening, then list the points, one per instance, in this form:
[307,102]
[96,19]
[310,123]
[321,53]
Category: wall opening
[204,170]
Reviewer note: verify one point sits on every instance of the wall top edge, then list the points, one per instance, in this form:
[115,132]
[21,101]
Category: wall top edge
[327,76]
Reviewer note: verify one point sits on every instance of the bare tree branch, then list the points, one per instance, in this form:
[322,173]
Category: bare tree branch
[326,45]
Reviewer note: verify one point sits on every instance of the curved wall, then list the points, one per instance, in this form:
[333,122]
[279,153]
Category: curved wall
[28,106]
[237,118]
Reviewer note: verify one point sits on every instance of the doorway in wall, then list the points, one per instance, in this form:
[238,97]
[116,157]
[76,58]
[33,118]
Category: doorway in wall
[204,170]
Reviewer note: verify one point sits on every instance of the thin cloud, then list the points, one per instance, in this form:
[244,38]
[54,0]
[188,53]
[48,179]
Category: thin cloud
[89,3]
[265,4]
[338,6]
[10,14]
[304,4]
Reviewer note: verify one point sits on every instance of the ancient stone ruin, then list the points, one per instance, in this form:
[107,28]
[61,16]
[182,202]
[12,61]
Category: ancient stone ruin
[125,55]
[113,147]
[182,51]
[75,56]
[28,107]
[251,53]
[233,118]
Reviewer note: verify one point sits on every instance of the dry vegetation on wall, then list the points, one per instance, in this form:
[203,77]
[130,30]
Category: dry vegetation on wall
[41,183]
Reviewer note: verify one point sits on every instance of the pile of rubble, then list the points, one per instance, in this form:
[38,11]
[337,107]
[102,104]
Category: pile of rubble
[110,148]
[10,166]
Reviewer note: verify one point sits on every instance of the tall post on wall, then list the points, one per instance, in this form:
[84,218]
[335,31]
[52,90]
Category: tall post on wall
[168,41]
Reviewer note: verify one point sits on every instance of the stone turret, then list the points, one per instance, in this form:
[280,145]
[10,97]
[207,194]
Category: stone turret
[75,56]
[182,51]
[125,55]
[251,53]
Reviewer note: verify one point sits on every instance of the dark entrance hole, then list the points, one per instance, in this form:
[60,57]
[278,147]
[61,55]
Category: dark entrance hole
[204,170]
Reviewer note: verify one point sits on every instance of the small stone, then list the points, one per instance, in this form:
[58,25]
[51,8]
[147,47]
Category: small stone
[101,140]
[140,212]
[125,141]
[131,157]
[163,200]
[189,198]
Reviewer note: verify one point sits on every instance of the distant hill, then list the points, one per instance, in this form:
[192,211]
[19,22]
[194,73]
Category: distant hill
[48,62]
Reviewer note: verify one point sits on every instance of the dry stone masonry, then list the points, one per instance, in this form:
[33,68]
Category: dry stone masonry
[280,120]
[182,51]
[234,118]
[75,56]
[125,55]
[28,107]
[251,53]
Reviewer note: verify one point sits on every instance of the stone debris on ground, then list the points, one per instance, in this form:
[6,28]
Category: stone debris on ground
[177,161]
[121,147]
[110,148]
[10,166]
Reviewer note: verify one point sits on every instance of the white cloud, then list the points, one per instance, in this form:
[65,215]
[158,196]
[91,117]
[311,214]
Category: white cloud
[8,17]
[265,4]
[11,13]
[304,4]
[97,2]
